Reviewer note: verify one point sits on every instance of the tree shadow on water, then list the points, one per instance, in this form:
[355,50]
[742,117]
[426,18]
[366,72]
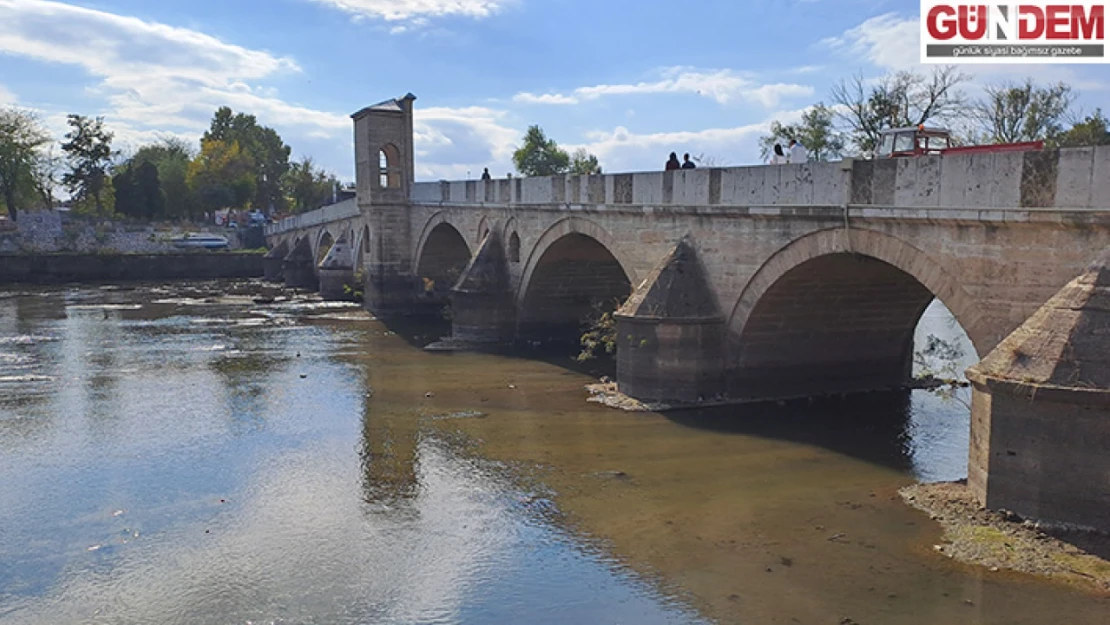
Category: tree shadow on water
[873,427]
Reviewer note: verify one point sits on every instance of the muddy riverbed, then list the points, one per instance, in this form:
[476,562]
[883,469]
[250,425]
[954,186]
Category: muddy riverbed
[184,457]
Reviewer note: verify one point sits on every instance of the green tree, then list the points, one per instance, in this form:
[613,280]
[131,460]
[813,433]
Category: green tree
[138,191]
[582,163]
[540,156]
[903,99]
[268,153]
[171,156]
[23,158]
[149,188]
[127,196]
[88,149]
[816,132]
[1091,131]
[221,176]
[308,186]
[1024,112]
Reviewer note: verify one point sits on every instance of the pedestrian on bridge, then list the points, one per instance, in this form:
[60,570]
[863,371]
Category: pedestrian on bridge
[673,163]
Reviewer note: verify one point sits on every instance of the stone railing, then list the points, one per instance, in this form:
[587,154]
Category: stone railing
[335,212]
[1068,179]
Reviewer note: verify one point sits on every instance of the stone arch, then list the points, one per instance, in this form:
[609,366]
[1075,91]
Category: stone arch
[836,310]
[484,225]
[389,167]
[323,245]
[441,256]
[571,277]
[362,250]
[561,228]
[514,247]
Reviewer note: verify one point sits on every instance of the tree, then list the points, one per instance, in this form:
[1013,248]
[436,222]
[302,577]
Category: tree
[88,149]
[307,185]
[540,156]
[816,132]
[138,191]
[1024,112]
[584,163]
[898,100]
[268,153]
[1091,131]
[221,176]
[171,156]
[22,158]
[127,200]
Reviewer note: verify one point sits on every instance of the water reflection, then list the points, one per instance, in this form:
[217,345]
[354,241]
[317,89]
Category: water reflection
[199,462]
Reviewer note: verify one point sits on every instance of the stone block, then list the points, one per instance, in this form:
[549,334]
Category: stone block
[535,191]
[1100,174]
[954,176]
[828,184]
[457,191]
[647,188]
[691,187]
[1038,178]
[1005,178]
[743,186]
[1074,178]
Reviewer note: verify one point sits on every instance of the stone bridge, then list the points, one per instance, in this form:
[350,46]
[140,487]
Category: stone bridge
[764,282]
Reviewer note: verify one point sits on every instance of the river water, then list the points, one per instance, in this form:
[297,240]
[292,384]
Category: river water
[195,458]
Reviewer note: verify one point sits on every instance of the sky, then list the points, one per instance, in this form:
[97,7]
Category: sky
[629,80]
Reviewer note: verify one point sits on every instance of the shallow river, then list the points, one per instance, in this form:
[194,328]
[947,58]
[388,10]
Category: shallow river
[205,460]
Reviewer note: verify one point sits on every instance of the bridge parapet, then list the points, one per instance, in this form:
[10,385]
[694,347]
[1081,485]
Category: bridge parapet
[336,212]
[1076,178]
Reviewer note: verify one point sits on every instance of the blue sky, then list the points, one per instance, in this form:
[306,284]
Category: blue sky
[629,80]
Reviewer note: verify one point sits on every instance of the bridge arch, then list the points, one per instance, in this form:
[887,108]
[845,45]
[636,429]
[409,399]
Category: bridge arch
[838,308]
[573,269]
[441,255]
[324,244]
[362,248]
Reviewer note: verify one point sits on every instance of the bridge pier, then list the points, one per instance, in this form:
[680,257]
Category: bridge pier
[337,273]
[671,333]
[273,261]
[1040,417]
[298,267]
[482,306]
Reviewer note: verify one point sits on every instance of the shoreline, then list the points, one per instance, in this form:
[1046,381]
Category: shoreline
[1004,541]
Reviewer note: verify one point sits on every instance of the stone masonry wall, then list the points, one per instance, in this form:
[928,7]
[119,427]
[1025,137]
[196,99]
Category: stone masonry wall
[54,231]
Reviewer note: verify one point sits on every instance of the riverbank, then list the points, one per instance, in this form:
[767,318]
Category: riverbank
[63,268]
[1005,541]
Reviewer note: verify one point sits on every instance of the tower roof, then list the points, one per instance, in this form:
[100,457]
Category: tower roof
[392,105]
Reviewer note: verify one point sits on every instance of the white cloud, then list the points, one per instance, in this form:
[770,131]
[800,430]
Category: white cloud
[724,86]
[155,76]
[416,10]
[623,150]
[7,98]
[547,98]
[887,41]
[450,142]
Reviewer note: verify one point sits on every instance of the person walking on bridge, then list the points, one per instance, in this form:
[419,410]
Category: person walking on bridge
[673,163]
[687,163]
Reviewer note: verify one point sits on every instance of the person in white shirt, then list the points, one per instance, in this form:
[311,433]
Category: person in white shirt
[798,152]
[777,155]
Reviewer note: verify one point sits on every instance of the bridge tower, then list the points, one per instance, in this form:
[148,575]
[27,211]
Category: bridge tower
[384,173]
